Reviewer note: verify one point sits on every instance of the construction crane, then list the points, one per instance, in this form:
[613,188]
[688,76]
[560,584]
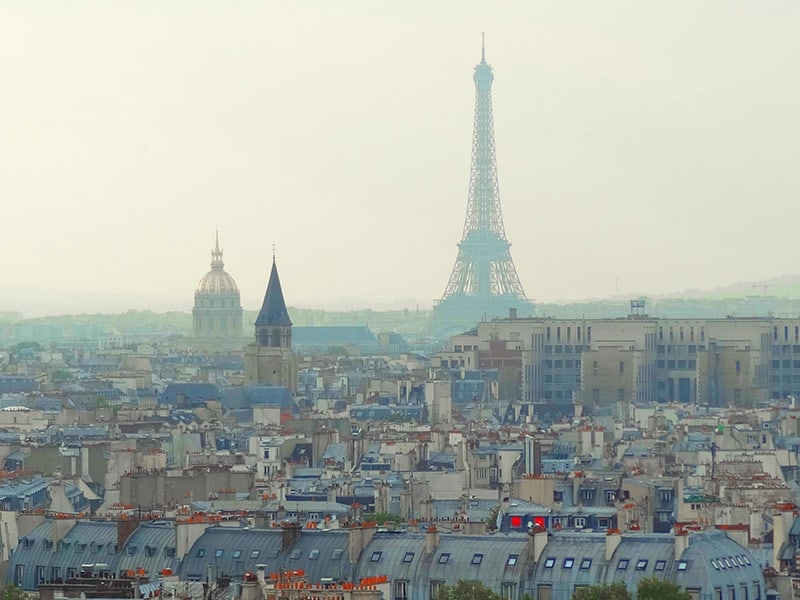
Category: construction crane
[764,287]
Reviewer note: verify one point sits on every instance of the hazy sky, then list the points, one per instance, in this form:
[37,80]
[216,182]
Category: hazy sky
[642,146]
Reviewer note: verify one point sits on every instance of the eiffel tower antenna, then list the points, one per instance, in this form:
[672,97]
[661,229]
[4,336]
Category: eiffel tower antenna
[484,280]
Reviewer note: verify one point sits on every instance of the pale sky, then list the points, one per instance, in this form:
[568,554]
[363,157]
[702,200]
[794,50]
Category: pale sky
[641,146]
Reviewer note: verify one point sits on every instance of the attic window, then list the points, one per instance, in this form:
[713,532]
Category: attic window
[131,550]
[622,564]
[512,560]
[568,562]
[237,553]
[255,553]
[274,553]
[201,552]
[337,554]
[375,557]
[660,565]
[79,547]
[641,565]
[586,563]
[408,557]
[27,543]
[682,564]
[169,551]
[444,558]
[549,563]
[746,560]
[313,555]
[477,559]
[296,554]
[218,553]
[150,551]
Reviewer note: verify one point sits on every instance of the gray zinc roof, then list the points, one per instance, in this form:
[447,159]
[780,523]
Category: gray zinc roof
[497,561]
[321,554]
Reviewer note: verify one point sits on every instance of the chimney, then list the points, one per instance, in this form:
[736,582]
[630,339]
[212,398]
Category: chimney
[681,542]
[431,539]
[781,523]
[613,539]
[125,528]
[289,535]
[360,536]
[539,538]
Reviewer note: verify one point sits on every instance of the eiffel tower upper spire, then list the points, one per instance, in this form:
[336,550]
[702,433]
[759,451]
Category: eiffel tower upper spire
[484,280]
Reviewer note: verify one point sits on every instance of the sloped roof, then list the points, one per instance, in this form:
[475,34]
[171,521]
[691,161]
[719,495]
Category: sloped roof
[234,551]
[273,309]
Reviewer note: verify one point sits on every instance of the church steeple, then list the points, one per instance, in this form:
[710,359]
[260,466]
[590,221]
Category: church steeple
[270,360]
[273,310]
[216,256]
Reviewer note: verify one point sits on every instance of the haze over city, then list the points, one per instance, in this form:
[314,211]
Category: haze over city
[646,147]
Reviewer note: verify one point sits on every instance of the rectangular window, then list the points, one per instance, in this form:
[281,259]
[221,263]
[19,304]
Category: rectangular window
[682,564]
[400,590]
[477,559]
[579,522]
[55,574]
[508,591]
[218,553]
[255,553]
[694,593]
[408,557]
[568,562]
[641,565]
[337,553]
[298,553]
[622,564]
[201,552]
[40,574]
[660,565]
[512,560]
[313,555]
[544,592]
[444,557]
[435,587]
[237,553]
[586,563]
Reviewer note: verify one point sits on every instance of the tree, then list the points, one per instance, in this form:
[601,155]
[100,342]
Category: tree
[466,590]
[615,591]
[12,592]
[652,588]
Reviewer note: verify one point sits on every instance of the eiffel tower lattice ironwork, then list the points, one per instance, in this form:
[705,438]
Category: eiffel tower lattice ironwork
[484,281]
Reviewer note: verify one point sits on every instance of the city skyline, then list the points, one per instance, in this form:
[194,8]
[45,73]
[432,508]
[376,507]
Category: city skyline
[640,148]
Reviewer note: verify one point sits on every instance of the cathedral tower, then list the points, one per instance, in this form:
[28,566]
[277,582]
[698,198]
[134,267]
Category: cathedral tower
[269,360]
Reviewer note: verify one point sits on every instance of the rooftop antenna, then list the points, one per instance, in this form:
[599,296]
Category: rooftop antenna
[273,252]
[483,46]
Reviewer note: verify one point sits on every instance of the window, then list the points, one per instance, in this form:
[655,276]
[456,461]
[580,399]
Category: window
[255,553]
[131,550]
[715,564]
[150,551]
[218,553]
[512,560]
[169,551]
[507,590]
[544,591]
[568,562]
[444,557]
[580,522]
[740,560]
[549,562]
[313,555]
[586,563]
[731,593]
[622,564]
[682,564]
[55,574]
[298,553]
[71,572]
[436,585]
[40,574]
[477,559]
[660,565]
[744,594]
[746,560]
[641,565]
[19,575]
[237,553]
[337,554]
[274,553]
[756,590]
[694,593]
[201,552]
[400,590]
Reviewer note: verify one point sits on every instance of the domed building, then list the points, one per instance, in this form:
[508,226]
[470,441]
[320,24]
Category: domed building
[217,308]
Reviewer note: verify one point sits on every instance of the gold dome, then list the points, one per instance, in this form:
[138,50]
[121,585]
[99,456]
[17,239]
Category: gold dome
[217,281]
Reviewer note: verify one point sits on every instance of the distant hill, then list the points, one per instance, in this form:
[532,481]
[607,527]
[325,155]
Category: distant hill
[785,286]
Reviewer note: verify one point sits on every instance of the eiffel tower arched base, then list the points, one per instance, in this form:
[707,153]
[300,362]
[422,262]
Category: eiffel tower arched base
[460,312]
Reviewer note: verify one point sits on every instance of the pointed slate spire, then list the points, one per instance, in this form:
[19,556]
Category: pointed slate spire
[273,310]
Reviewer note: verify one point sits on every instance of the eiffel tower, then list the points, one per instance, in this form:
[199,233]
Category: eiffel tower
[484,283]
